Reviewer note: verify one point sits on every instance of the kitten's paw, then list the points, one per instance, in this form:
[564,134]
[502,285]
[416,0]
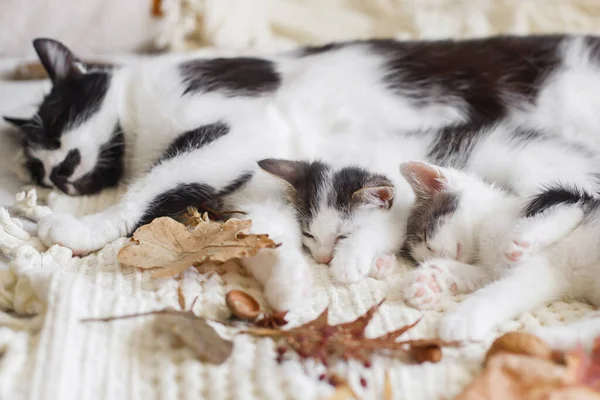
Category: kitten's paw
[67,231]
[289,292]
[562,338]
[383,266]
[519,248]
[457,326]
[426,285]
[350,266]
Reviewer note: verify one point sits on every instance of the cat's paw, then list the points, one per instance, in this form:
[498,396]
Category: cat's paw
[519,248]
[462,326]
[383,266]
[67,231]
[563,338]
[350,266]
[426,285]
[288,292]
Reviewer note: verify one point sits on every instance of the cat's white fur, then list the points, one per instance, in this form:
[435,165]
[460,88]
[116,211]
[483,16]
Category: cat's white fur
[524,263]
[331,105]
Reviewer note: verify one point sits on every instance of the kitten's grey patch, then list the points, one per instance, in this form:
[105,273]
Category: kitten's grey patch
[195,139]
[348,181]
[61,173]
[241,76]
[427,215]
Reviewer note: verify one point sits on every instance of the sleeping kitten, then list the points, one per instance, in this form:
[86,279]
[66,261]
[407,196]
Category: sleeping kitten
[517,255]
[347,216]
[182,130]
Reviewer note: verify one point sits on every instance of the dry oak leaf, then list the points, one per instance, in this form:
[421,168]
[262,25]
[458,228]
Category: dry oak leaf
[321,341]
[171,247]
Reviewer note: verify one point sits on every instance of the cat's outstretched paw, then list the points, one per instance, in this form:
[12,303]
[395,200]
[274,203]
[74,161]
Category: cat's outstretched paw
[426,285]
[383,266]
[460,326]
[289,291]
[68,231]
[350,266]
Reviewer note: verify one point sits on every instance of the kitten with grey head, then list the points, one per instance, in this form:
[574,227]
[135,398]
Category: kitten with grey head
[515,254]
[346,216]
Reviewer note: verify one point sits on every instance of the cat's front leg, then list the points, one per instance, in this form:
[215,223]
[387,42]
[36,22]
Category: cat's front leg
[166,190]
[521,289]
[434,279]
[284,271]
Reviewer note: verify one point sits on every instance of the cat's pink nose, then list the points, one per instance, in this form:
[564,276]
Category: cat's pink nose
[326,259]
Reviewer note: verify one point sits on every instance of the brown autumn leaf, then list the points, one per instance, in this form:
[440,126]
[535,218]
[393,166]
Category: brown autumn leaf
[171,247]
[514,371]
[323,342]
[191,330]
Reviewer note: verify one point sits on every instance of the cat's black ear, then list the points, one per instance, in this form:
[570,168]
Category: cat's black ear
[293,172]
[17,122]
[58,61]
[380,196]
[425,179]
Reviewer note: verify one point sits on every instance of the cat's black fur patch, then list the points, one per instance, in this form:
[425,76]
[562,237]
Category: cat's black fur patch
[241,76]
[453,145]
[347,181]
[174,201]
[314,50]
[236,184]
[202,196]
[478,71]
[61,173]
[554,196]
[195,139]
[69,103]
[36,169]
[109,167]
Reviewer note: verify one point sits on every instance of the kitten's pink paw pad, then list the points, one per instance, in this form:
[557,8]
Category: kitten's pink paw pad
[383,266]
[518,250]
[423,289]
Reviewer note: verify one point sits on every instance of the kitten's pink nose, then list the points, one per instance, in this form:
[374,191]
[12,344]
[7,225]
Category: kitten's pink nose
[325,259]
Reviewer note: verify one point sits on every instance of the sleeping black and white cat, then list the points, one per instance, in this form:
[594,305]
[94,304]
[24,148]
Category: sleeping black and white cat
[186,131]
[515,254]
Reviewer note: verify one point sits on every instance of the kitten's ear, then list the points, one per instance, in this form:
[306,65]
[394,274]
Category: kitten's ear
[380,196]
[58,61]
[424,178]
[292,172]
[17,122]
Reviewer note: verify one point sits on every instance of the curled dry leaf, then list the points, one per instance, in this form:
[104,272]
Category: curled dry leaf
[520,366]
[191,330]
[323,342]
[520,343]
[171,248]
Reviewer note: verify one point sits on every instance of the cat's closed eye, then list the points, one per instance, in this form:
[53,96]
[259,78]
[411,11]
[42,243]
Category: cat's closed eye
[341,237]
[308,235]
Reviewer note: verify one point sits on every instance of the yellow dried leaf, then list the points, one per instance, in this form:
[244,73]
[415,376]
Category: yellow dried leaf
[171,247]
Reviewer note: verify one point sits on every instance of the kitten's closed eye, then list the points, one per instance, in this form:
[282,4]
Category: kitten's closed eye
[308,235]
[341,237]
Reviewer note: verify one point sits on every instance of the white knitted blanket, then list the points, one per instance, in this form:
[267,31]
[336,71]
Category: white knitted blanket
[53,355]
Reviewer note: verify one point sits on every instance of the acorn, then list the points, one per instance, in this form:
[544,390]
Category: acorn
[242,305]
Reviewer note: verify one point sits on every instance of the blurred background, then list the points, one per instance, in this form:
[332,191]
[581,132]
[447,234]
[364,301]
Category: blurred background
[97,27]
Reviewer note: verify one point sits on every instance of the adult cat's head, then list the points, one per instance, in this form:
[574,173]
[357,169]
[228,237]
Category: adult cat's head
[332,204]
[73,142]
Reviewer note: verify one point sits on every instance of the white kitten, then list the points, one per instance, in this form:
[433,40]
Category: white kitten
[514,254]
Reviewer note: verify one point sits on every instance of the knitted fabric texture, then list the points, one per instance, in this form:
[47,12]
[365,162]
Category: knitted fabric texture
[53,355]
